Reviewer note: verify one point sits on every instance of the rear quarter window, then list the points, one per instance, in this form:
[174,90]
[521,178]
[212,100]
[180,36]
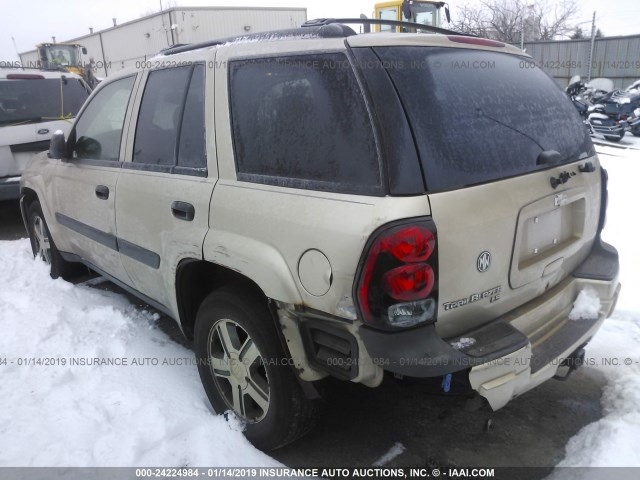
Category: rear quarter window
[302,122]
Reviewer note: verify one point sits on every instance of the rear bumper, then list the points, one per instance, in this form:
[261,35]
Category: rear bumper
[514,353]
[9,188]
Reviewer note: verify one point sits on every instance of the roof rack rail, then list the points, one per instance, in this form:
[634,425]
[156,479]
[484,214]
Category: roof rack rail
[329,30]
[376,21]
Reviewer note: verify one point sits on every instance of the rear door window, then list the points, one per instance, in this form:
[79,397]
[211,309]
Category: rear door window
[479,116]
[191,151]
[160,116]
[302,122]
[170,132]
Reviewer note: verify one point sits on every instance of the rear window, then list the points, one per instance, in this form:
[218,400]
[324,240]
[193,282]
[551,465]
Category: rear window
[479,116]
[40,100]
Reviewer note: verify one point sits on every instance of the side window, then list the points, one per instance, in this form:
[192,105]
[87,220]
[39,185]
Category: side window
[160,115]
[390,13]
[191,151]
[301,121]
[99,130]
[170,130]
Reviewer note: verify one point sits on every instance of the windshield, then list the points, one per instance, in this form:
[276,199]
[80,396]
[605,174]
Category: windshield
[424,13]
[40,100]
[479,116]
[62,55]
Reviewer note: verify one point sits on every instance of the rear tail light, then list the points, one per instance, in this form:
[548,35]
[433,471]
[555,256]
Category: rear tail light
[397,277]
[409,282]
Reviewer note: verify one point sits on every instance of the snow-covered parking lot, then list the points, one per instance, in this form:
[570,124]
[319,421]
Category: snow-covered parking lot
[141,413]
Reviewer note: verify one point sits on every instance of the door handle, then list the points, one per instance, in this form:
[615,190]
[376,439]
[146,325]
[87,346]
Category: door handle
[183,211]
[102,192]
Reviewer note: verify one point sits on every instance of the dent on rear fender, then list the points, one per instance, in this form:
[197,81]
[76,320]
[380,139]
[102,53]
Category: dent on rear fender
[256,260]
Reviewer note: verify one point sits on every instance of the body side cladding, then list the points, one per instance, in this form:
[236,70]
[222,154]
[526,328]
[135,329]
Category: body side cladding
[141,254]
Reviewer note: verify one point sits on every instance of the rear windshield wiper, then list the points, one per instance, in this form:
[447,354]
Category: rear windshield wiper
[483,114]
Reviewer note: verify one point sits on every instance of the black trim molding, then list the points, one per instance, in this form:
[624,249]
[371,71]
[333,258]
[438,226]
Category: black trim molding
[141,254]
[131,250]
[103,238]
[39,146]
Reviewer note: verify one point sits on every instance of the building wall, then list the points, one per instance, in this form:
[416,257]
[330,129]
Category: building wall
[130,43]
[29,59]
[198,25]
[617,58]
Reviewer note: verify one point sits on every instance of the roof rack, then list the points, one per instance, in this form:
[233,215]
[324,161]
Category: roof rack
[376,21]
[318,28]
[329,30]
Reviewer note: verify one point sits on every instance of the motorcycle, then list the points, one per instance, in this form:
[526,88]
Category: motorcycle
[602,118]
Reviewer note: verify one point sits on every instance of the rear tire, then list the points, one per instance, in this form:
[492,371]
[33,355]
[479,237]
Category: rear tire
[616,138]
[44,248]
[636,131]
[243,368]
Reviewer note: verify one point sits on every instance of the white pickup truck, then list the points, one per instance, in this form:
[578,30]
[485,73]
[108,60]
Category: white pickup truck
[33,105]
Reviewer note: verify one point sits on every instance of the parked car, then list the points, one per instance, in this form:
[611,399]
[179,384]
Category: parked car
[302,205]
[33,105]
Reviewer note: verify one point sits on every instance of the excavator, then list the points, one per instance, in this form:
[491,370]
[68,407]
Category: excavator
[66,57]
[417,11]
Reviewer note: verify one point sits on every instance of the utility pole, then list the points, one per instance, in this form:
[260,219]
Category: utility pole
[15,47]
[527,7]
[593,42]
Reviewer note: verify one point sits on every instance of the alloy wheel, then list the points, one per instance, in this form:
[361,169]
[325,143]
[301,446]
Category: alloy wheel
[238,370]
[42,244]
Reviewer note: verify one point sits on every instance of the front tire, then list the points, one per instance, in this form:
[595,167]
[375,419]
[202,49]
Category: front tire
[243,368]
[44,248]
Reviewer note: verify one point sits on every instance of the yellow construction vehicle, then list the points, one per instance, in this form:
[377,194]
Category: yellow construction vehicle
[416,11]
[62,56]
[66,57]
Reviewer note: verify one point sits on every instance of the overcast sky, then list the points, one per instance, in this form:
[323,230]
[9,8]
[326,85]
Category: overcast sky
[33,21]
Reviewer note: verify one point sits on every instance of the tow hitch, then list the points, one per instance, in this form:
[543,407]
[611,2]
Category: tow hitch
[571,363]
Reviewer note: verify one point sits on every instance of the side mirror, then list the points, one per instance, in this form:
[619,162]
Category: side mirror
[58,145]
[406,11]
[84,50]
[447,14]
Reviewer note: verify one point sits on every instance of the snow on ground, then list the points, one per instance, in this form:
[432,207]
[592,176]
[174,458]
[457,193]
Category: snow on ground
[109,415]
[613,440]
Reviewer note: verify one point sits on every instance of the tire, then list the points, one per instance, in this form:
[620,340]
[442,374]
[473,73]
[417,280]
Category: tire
[636,131]
[44,248]
[611,138]
[239,352]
